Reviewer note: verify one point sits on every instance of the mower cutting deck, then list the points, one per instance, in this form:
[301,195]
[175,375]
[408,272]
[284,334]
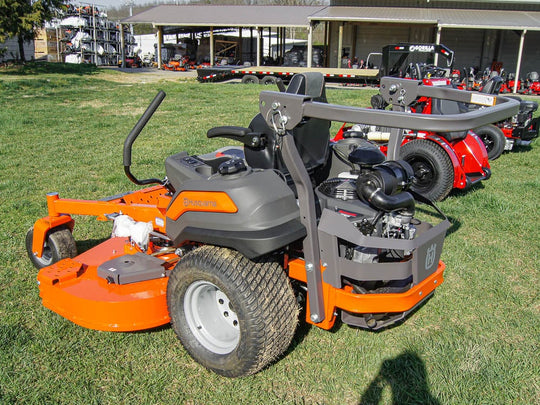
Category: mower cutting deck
[75,289]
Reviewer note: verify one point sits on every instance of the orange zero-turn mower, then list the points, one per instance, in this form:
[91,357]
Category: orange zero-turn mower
[225,248]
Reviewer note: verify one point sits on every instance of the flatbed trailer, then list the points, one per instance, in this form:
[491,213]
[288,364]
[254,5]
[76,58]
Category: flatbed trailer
[269,74]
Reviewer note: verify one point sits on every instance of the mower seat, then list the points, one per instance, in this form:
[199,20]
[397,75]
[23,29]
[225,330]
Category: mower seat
[532,76]
[261,144]
[525,106]
[311,136]
[445,107]
[493,85]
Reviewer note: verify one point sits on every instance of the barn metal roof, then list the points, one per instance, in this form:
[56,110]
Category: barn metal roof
[301,16]
[375,14]
[446,18]
[225,16]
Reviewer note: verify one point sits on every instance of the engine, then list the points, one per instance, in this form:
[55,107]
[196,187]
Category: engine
[386,216]
[373,196]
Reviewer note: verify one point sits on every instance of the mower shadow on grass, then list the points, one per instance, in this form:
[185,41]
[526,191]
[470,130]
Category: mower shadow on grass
[455,223]
[521,148]
[461,193]
[456,192]
[407,378]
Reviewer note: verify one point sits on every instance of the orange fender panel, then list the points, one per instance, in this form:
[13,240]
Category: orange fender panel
[72,289]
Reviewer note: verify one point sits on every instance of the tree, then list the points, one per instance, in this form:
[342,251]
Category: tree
[22,18]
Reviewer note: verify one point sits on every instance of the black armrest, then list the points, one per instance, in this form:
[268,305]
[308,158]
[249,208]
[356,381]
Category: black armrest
[240,134]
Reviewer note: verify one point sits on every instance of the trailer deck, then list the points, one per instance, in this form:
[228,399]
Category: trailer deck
[223,73]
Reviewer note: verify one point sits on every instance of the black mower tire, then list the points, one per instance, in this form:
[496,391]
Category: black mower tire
[59,245]
[233,315]
[433,169]
[250,79]
[493,138]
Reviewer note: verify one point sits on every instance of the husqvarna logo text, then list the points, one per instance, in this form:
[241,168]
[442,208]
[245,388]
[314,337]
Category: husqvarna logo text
[199,203]
[430,256]
[421,48]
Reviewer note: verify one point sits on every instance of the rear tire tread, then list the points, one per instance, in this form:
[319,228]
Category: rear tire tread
[269,311]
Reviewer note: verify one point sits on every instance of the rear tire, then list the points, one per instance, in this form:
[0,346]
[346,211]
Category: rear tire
[493,138]
[59,245]
[233,315]
[433,169]
[250,79]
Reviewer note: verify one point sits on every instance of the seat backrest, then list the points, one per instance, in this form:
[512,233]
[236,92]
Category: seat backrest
[311,136]
[447,107]
[493,85]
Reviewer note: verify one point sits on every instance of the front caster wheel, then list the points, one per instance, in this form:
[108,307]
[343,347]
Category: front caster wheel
[59,245]
[233,315]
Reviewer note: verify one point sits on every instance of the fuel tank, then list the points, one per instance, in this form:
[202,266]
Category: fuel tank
[224,203]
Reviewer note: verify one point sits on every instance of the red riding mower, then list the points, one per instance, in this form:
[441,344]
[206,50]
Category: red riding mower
[520,129]
[532,84]
[441,160]
[491,135]
[510,82]
[225,248]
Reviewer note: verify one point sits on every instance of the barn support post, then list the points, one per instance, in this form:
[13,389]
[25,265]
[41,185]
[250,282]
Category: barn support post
[310,45]
[340,44]
[520,54]
[122,46]
[212,56]
[259,47]
[240,51]
[326,42]
[159,46]
[251,44]
[354,38]
[438,42]
[269,42]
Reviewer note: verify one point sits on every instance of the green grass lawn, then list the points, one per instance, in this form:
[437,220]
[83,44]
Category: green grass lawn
[475,342]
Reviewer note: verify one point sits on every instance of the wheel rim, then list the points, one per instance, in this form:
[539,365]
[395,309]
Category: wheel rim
[488,142]
[424,174]
[46,258]
[211,318]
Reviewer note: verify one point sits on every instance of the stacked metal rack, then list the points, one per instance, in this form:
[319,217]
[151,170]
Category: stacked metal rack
[86,35]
